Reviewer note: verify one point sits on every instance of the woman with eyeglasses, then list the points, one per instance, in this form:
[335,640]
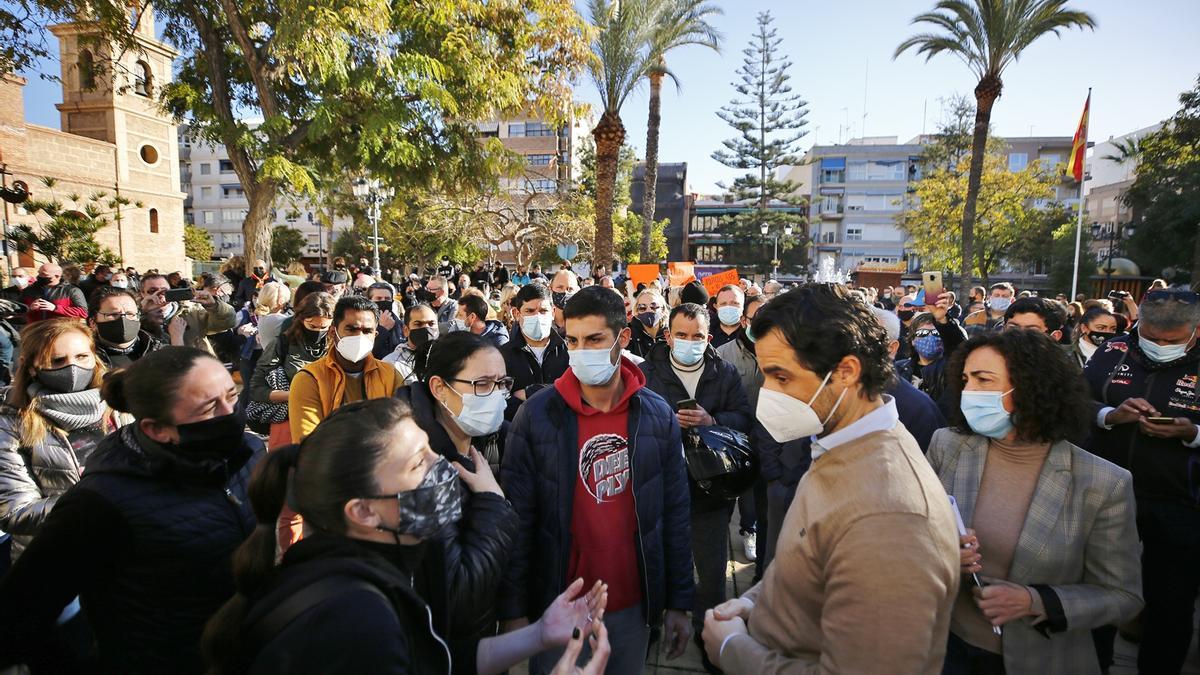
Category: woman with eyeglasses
[459,402]
[649,323]
[116,321]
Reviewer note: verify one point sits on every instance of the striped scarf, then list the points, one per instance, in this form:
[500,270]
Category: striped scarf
[71,412]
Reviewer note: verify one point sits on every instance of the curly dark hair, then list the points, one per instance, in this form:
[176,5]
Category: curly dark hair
[824,323]
[1050,398]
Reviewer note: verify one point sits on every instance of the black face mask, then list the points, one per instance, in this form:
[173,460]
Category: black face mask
[384,305]
[120,331]
[560,299]
[906,316]
[260,271]
[1100,337]
[424,296]
[42,281]
[419,336]
[217,436]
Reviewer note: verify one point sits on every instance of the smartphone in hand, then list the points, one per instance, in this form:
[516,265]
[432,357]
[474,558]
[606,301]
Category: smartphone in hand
[688,404]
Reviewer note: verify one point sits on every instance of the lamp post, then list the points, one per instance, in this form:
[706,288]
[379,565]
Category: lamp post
[1112,236]
[373,195]
[787,232]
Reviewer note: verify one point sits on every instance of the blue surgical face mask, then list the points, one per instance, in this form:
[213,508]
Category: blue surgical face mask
[729,315]
[1000,304]
[594,367]
[688,352]
[929,346]
[1163,353]
[985,413]
[537,327]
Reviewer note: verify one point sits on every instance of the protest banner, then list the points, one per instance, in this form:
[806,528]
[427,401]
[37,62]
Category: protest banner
[714,282]
[680,273]
[642,274]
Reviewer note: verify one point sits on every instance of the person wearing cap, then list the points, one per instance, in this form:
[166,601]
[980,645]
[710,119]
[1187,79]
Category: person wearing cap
[335,281]
[1148,422]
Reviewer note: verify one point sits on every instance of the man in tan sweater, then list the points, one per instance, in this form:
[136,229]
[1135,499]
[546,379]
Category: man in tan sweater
[867,564]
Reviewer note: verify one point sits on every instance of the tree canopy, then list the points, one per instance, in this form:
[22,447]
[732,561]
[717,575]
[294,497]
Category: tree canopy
[1165,195]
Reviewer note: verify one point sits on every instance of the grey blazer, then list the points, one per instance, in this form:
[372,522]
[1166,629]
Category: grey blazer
[1078,546]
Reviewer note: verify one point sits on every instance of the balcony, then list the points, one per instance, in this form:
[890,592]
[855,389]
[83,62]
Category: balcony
[832,213]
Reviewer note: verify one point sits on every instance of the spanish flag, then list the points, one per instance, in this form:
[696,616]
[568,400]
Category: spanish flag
[1079,145]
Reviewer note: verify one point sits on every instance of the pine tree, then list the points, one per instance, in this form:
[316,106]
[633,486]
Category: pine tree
[769,119]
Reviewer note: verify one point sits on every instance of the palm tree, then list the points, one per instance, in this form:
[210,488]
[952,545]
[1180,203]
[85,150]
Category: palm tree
[1127,150]
[624,54]
[680,23]
[988,35]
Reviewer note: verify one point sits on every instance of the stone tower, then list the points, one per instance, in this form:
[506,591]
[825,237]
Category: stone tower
[124,144]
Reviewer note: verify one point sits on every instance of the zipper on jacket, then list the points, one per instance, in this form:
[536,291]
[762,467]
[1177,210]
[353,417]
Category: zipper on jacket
[637,427]
[429,618]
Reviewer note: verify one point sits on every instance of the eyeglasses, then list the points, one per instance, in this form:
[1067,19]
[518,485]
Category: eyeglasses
[1186,297]
[114,316]
[485,386]
[925,332]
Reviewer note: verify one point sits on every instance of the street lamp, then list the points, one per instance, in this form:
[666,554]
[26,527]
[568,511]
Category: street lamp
[373,195]
[787,232]
[1112,236]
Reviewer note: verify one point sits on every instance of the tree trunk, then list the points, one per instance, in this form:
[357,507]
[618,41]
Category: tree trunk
[654,121]
[609,135]
[985,96]
[1196,261]
[256,228]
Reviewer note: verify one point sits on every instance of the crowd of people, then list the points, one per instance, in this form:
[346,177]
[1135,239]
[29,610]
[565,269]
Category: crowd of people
[466,470]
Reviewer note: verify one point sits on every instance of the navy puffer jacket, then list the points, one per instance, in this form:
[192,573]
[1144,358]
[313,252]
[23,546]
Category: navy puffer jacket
[719,392]
[538,474]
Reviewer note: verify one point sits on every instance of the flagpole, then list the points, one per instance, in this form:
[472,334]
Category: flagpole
[1079,222]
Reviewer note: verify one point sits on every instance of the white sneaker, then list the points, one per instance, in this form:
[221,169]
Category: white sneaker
[750,546]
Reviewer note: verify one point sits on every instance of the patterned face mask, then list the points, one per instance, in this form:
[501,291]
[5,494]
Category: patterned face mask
[928,344]
[432,505]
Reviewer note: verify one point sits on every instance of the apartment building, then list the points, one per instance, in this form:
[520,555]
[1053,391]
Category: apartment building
[857,190]
[217,202]
[1106,184]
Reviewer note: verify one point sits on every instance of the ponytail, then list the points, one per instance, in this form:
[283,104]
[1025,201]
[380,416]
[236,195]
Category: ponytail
[253,561]
[335,464]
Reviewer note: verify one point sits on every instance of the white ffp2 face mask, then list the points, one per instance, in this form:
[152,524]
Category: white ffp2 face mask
[355,348]
[787,418]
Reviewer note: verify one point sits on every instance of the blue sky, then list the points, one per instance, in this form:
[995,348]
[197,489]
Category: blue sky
[1142,55]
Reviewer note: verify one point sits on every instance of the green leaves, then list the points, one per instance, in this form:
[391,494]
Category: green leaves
[197,242]
[69,233]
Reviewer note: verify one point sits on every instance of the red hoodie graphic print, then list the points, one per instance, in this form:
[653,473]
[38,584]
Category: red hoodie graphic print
[603,517]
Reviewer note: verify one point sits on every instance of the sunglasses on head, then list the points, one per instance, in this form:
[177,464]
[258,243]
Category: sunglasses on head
[1186,297]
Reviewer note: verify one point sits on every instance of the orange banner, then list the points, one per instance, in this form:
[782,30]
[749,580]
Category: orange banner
[680,273]
[643,274]
[714,282]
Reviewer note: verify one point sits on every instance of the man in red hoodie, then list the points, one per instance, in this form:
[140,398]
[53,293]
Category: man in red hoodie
[594,468]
